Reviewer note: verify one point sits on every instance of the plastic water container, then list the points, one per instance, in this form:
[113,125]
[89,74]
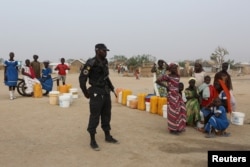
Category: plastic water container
[118,90]
[141,101]
[74,92]
[70,95]
[64,101]
[133,104]
[147,106]
[161,101]
[154,104]
[37,90]
[129,98]
[63,89]
[53,97]
[165,111]
[120,97]
[125,93]
[237,118]
[147,98]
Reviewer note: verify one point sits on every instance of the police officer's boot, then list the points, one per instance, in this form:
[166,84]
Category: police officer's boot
[109,138]
[93,143]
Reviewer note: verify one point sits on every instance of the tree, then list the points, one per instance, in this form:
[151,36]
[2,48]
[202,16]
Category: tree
[218,56]
[139,60]
[118,58]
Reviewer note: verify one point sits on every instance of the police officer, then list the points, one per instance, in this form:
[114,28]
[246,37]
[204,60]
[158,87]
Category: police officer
[96,70]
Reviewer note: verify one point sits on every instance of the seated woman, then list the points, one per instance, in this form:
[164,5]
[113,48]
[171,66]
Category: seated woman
[218,122]
[29,77]
[192,104]
[46,80]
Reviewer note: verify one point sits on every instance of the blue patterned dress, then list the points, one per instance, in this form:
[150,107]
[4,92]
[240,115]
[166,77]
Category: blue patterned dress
[11,73]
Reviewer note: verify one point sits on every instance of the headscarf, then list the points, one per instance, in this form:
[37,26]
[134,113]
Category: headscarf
[191,78]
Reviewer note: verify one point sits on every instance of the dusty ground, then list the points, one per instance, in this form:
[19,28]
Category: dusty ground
[34,133]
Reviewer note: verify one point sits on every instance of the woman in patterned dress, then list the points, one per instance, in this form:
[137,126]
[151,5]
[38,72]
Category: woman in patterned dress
[176,107]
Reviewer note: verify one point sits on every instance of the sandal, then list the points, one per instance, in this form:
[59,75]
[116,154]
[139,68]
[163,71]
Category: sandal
[210,135]
[225,134]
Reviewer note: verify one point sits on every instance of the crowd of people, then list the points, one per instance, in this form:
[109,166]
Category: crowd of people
[32,73]
[199,102]
[201,105]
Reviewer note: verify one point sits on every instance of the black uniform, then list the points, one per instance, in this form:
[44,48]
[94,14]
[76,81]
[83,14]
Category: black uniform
[99,93]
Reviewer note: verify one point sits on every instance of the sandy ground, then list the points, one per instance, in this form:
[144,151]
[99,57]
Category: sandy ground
[34,133]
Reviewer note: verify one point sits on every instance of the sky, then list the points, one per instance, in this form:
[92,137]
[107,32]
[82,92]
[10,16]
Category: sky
[173,30]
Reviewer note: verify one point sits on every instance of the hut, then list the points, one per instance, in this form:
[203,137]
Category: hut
[76,66]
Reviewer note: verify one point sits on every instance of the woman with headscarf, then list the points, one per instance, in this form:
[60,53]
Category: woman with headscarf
[176,108]
[158,72]
[193,103]
[46,80]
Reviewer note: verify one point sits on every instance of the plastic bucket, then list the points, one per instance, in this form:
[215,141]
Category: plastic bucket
[53,97]
[64,101]
[165,111]
[131,97]
[70,95]
[133,104]
[63,89]
[74,92]
[147,106]
[237,118]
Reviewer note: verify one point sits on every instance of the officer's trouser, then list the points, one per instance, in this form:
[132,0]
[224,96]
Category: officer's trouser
[100,105]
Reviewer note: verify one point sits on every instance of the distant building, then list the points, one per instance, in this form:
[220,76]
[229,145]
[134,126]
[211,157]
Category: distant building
[76,65]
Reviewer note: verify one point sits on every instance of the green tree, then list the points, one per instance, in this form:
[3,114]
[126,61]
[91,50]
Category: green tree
[139,60]
[218,56]
[118,58]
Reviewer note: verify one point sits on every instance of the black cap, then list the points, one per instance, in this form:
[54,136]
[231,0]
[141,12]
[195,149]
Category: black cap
[101,46]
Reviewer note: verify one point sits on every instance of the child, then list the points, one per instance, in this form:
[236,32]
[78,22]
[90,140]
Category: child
[181,88]
[207,92]
[29,77]
[217,122]
[137,73]
[11,74]
[61,71]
